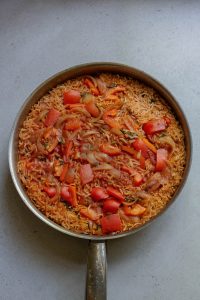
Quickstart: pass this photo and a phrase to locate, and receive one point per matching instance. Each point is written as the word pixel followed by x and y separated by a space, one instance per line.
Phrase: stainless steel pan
pixel 96 271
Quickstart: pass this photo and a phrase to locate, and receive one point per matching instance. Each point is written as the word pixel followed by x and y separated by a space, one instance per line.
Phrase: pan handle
pixel 96 271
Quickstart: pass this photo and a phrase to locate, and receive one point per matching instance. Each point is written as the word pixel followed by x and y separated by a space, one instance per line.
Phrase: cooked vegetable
pixel 111 223
pixel 161 159
pixel 73 124
pixel 86 173
pixel 99 194
pixel 115 193
pixel 91 85
pixel 71 97
pixel 139 145
pixel 51 191
pixel 111 205
pixel 89 213
pixel 68 194
pixel 149 145
pixel 154 126
pixel 135 210
pixel 100 154
pixel 110 150
pixel 92 108
pixel 52 117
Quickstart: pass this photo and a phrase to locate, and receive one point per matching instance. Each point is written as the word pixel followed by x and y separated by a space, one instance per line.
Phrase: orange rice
pixel 140 102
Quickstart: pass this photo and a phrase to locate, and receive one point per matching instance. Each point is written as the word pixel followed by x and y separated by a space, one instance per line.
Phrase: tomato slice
pixel 110 150
pixel 111 223
pixel 115 193
pixel 52 117
pixel 86 173
pixel 50 191
pixel 73 124
pixel 135 210
pixel 71 97
pixel 68 194
pixel 111 205
pixel 139 145
pixel 65 195
pixel 92 108
pixel 72 191
pixel 154 126
pixel 99 194
pixel 161 159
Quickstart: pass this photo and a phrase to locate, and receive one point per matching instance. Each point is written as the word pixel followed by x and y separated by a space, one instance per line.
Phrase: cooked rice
pixel 139 100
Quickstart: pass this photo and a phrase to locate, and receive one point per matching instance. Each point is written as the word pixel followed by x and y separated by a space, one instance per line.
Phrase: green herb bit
pixel 131 199
pixel 129 134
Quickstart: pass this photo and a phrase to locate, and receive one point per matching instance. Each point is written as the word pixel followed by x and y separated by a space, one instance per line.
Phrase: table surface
pixel 40 38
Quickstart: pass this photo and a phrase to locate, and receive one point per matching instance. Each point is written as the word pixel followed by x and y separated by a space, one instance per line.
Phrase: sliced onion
pixel 91 158
pixel 128 219
pixel 93 120
pixel 89 132
pixel 101 86
pixel 115 173
pixel 102 157
pixel 154 182
pixel 63 119
pixel 169 142
pixel 102 167
pixel 92 79
pixel 142 194
pixel 85 147
pixel 81 110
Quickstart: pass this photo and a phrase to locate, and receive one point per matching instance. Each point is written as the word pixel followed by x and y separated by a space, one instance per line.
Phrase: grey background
pixel 40 38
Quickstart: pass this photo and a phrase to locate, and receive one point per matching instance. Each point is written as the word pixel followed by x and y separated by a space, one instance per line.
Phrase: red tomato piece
pixel 71 97
pixel 86 173
pixel 98 194
pixel 92 108
pixel 72 191
pixel 135 210
pixel 73 124
pixel 110 150
pixel 115 193
pixel 52 117
pixel 111 223
pixel 161 159
pixel 139 145
pixel 51 191
pixel 154 126
pixel 111 205
pixel 65 195
pixel 68 194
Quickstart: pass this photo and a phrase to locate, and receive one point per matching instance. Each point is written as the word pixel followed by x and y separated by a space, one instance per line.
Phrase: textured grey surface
pixel 39 38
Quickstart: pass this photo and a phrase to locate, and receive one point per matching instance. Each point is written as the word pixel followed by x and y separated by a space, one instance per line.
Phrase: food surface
pixel 101 154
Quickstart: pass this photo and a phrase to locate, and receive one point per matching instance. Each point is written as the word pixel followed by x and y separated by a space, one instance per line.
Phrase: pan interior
pixel 72 73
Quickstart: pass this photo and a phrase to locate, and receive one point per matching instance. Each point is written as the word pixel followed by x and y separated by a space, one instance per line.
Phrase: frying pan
pixel 96 264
